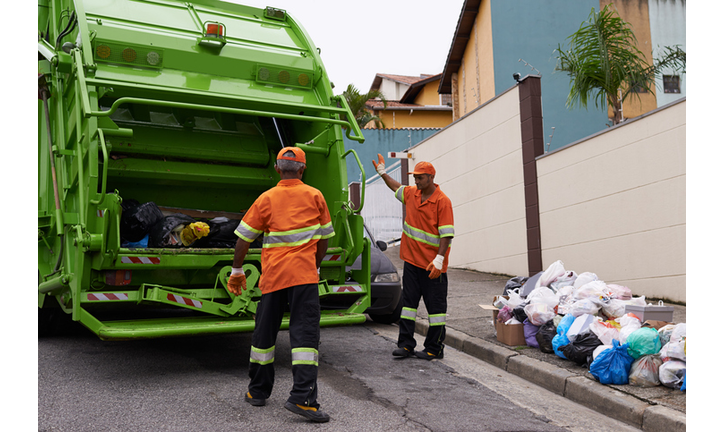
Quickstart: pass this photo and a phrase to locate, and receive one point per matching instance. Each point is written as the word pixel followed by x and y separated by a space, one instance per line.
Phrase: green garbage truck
pixel 159 115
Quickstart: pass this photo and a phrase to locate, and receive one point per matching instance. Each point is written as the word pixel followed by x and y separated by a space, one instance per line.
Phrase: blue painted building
pixel 381 141
pixel 496 38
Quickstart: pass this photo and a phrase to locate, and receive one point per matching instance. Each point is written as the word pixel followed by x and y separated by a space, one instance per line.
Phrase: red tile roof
pixel 403 79
pixel 377 105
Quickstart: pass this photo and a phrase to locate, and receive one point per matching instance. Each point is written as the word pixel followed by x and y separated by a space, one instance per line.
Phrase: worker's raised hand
pixel 435 267
pixel 379 165
pixel 236 282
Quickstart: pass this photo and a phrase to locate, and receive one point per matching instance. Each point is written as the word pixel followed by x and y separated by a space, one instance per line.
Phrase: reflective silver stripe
pixel 247 233
pixel 408 313
pixel 261 356
pixel 326 231
pixel 299 236
pixel 400 194
pixel 421 236
pixel 446 231
pixel 437 319
pixel 306 356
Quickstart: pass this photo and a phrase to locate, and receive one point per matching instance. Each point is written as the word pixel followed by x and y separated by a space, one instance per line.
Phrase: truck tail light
pixel 215 30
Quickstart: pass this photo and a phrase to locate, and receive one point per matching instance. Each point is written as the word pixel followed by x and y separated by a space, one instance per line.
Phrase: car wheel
pixel 391 318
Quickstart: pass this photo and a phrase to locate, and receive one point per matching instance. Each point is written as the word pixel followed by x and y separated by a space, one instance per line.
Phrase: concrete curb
pixel 582 390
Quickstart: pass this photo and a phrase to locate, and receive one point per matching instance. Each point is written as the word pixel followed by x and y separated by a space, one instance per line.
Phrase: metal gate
pixel 382 212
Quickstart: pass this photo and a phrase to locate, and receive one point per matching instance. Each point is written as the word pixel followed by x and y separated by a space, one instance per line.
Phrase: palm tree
pixel 357 103
pixel 603 61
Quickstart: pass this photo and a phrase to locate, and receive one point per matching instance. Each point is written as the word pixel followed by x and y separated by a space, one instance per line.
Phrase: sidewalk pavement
pixel 470 330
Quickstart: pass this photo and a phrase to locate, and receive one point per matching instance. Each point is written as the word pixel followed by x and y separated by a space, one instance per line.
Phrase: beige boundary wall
pixel 478 162
pixel 615 204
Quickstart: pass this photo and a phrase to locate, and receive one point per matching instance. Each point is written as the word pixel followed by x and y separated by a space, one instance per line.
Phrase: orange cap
pixel 299 155
pixel 424 168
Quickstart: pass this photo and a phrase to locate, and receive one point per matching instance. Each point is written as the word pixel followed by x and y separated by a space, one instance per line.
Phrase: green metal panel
pixel 143 104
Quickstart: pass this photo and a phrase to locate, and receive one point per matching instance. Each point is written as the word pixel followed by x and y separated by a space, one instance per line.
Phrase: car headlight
pixel 387 277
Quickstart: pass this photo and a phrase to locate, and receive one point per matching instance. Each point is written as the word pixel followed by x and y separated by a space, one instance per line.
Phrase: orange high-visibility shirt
pixel 293 217
pixel 425 224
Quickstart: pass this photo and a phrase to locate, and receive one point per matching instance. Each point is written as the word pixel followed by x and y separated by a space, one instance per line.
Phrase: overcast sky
pixel 362 38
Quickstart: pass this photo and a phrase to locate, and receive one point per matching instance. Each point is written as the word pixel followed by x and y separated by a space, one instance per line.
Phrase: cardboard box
pixel 651 312
pixel 511 334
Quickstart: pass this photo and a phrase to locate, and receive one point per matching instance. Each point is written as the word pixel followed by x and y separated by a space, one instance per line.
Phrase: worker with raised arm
pixel 294 220
pixel 427 232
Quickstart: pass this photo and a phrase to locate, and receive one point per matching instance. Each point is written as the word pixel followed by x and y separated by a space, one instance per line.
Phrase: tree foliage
pixel 357 101
pixel 604 64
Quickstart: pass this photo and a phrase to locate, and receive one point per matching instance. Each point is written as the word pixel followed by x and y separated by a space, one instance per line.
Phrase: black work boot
pixel 255 402
pixel 427 355
pixel 314 414
pixel 402 352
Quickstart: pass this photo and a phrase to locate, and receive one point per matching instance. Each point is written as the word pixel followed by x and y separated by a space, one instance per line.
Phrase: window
pixel 446 99
pixel 671 84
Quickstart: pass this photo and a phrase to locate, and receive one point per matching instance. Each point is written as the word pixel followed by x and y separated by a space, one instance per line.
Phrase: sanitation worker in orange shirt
pixel 426 236
pixel 295 222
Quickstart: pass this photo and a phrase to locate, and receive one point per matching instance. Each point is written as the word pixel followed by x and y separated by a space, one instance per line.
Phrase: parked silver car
pixel 386 284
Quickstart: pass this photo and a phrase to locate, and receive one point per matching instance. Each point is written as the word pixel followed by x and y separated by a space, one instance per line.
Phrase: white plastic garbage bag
pixel 645 371
pixel 605 333
pixel 543 295
pixel 629 324
pixel 514 298
pixel 636 301
pixel 619 292
pixel 582 307
pixel 673 332
pixel 672 372
pixel 674 350
pixel 594 290
pixel 679 332
pixel 584 278
pixel 567 279
pixel 614 308
pixel 539 313
pixel 552 273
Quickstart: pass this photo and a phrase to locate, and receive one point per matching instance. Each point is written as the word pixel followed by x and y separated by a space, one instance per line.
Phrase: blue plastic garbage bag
pixel 561 339
pixel 613 365
pixel 143 243
pixel 683 386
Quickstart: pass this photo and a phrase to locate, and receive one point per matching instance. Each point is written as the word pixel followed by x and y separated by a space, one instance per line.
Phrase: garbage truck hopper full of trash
pixel 159 125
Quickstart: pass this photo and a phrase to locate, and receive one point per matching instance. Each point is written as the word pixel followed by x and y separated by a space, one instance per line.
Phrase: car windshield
pixel 368 235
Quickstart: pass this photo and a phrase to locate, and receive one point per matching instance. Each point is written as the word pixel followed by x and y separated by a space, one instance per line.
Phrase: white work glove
pixel 435 267
pixel 237 281
pixel 380 165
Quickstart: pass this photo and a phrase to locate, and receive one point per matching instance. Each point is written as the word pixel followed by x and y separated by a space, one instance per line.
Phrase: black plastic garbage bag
pixel 163 234
pixel 581 348
pixel 128 204
pixel 519 312
pixel 545 336
pixel 221 234
pixel 138 220
pixel 514 283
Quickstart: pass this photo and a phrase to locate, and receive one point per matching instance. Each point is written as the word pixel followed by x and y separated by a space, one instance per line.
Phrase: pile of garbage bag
pixel 145 226
pixel 581 318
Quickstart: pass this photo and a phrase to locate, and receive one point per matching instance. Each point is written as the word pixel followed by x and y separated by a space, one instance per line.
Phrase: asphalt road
pixel 196 384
